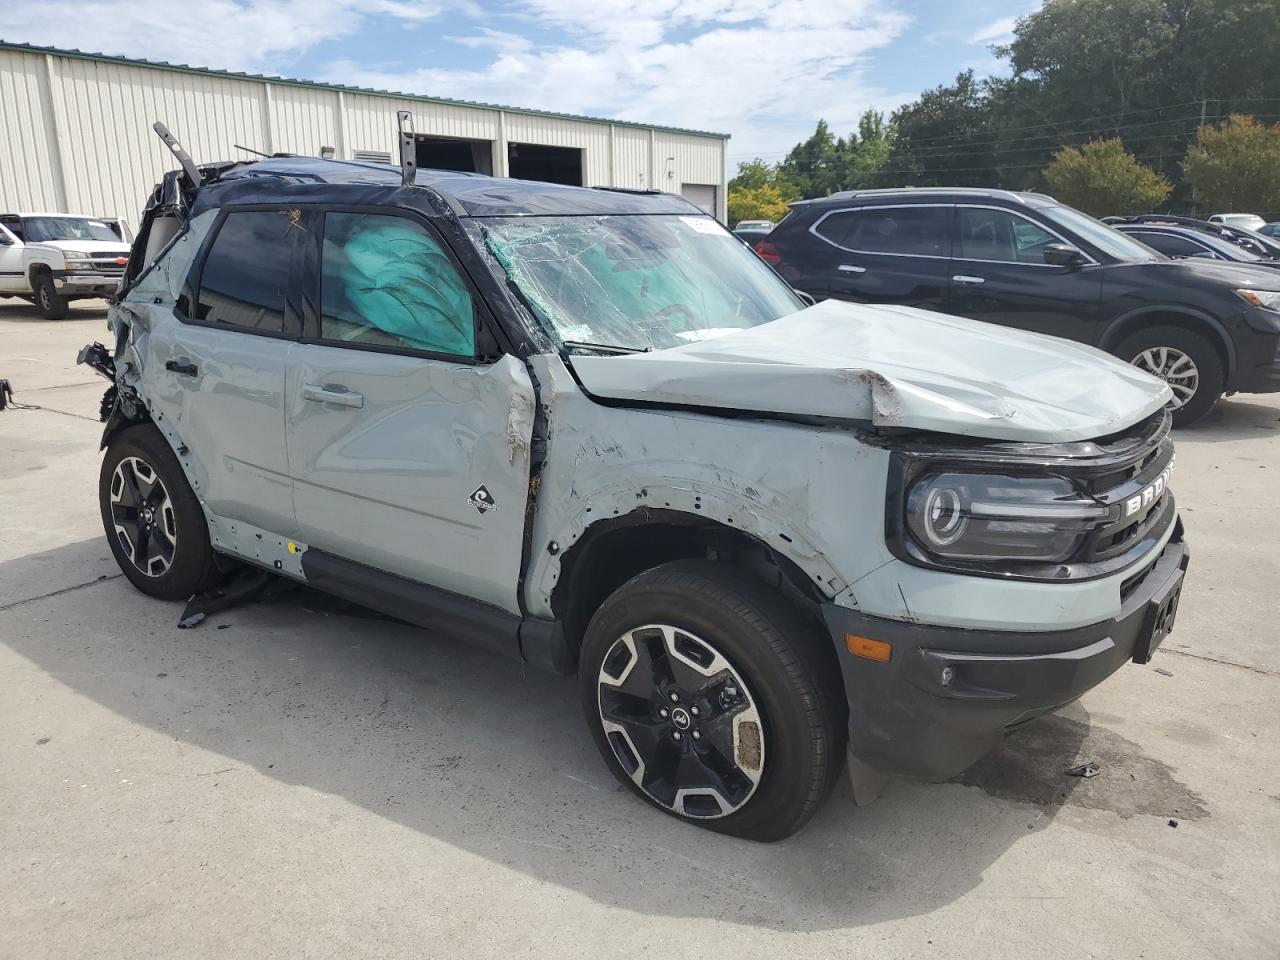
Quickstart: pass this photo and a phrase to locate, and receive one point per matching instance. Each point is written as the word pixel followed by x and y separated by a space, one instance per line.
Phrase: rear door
pixel 217 376
pixel 999 275
pixel 882 254
pixel 410 454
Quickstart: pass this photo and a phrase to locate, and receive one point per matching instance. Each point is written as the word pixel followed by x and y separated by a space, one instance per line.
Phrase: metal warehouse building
pixel 78 135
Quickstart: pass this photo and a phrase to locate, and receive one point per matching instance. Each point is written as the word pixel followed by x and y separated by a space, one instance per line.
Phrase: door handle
pixel 851 268
pixel 961 278
pixel 332 393
pixel 182 366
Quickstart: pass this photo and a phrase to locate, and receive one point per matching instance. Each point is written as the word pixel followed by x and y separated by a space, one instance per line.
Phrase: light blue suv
pixel 591 430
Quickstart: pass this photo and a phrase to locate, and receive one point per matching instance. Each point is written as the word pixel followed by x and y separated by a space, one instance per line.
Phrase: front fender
pixel 812 494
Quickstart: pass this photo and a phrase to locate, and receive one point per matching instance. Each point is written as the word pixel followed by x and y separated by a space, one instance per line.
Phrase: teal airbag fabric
pixel 391 275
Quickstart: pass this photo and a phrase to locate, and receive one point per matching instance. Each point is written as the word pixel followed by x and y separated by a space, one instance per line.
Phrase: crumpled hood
pixel 893 367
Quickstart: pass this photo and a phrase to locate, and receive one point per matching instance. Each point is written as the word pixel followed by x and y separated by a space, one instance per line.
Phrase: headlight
pixel 1266 299
pixel 961 516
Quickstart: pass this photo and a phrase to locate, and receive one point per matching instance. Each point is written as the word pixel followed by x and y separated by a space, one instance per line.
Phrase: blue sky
pixel 761 70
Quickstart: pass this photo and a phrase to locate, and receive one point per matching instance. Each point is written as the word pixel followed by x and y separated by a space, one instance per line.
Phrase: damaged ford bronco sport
pixel 590 430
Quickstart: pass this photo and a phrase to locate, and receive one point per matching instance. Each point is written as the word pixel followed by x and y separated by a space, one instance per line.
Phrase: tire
pixel 167 531
pixel 1163 351
pixel 713 700
pixel 51 304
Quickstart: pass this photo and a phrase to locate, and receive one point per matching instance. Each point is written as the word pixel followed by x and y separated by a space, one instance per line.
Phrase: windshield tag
pixel 96 223
pixel 704 225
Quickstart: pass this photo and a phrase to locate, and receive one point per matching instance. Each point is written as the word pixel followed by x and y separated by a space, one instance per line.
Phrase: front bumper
pixel 904 719
pixel 72 282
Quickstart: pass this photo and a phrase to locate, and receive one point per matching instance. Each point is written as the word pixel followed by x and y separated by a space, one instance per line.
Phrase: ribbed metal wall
pixel 78 135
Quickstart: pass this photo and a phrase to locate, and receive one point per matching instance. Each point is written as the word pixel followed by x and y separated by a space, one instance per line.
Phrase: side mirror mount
pixel 1064 255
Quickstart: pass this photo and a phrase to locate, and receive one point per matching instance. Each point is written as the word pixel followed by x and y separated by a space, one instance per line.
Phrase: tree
pixel 764 202
pixel 946 138
pixel 867 152
pixel 1235 166
pixel 1103 178
pixel 816 166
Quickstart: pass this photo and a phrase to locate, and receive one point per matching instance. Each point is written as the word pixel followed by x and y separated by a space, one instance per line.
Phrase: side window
pixel 988 234
pixel 14 226
pixel 920 231
pixel 386 281
pixel 1170 245
pixel 246 272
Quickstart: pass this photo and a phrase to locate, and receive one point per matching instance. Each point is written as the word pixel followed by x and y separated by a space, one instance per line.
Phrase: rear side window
pixel 996 235
pixel 386 281
pixel 918 231
pixel 1170 245
pixel 245 276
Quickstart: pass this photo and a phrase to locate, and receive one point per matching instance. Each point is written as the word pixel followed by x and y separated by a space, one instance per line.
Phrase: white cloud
pixel 763 71
pixel 997 31
pixel 248 35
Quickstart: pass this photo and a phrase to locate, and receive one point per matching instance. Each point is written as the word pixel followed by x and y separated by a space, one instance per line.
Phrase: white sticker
pixel 96 223
pixel 706 225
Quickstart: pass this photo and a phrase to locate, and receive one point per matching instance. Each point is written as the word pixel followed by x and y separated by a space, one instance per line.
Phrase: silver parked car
pixel 591 431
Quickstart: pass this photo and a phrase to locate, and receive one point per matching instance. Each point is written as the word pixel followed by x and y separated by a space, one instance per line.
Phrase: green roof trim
pixel 318 85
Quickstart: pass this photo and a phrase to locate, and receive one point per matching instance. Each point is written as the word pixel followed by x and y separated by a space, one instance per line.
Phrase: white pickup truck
pixel 53 258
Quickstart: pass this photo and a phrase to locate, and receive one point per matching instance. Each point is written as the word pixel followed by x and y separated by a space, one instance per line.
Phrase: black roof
pixel 463 194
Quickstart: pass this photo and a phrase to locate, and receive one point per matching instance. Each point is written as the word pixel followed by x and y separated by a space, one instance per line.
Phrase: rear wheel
pixel 153 521
pixel 1184 360
pixel 52 305
pixel 713 700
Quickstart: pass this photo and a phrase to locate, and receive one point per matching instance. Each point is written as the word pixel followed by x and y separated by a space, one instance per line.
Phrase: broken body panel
pixel 477 483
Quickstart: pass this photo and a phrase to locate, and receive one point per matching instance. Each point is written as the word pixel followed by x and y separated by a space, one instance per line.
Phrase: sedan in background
pixel 1248 221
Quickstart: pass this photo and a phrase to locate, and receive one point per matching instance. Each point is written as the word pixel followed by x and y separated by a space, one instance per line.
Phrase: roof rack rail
pixel 1014 196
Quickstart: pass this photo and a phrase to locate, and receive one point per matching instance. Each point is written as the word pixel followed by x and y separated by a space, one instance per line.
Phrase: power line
pixel 1022 146
pixel 1052 126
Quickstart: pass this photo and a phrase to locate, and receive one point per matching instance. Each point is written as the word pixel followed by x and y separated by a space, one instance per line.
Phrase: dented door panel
pixel 415 466
pixel 222 392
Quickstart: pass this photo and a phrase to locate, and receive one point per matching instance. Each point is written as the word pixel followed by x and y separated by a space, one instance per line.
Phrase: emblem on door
pixel 482 499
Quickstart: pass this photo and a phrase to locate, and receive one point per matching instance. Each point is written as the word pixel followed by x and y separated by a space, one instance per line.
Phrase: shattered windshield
pixel 636 282
pixel 39 229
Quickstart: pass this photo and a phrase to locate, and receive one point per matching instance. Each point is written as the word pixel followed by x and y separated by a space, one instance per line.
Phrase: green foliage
pixel 765 202
pixel 1102 178
pixel 945 137
pixel 1235 166
pixel 1140 71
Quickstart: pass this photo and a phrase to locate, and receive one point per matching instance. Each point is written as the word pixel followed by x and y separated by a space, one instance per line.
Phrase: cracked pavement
pixel 296 778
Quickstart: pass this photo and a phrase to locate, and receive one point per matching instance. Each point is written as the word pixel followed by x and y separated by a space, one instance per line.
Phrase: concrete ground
pixel 292 780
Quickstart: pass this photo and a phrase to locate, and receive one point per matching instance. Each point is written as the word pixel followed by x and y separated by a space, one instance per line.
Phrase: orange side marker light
pixel 869 649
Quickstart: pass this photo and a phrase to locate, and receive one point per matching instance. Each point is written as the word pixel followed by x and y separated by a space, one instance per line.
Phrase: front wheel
pixel 51 304
pixel 1186 361
pixel 713 700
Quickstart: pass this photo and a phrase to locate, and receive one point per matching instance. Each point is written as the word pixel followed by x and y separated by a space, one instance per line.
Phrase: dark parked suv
pixel 1025 260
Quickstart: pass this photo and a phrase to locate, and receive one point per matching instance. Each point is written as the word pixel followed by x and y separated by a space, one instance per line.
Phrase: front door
pixel 891 254
pixel 999 275
pixel 217 377
pixel 12 268
pixel 408 453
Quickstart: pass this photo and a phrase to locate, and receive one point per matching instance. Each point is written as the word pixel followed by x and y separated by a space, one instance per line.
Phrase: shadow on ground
pixel 484 755
pixel 1233 418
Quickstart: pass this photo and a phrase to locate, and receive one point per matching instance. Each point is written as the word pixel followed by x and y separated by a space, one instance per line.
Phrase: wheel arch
pixel 1181 316
pixel 613 550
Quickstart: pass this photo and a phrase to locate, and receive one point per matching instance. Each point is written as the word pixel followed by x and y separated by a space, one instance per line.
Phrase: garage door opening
pixel 445 153
pixel 532 161
pixel 700 195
